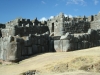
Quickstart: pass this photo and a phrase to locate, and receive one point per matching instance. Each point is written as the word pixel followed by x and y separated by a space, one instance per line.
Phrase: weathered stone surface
pixel 43 49
pixel 58 45
pixel 79 44
pixel 28 43
pixel 66 45
pixel 19 49
pixel 12 51
pixel 85 44
pixel 66 36
pixel 21 38
pixel 39 48
pixel 76 46
pixel 63 45
pixel 35 49
pixel 46 48
pixel 30 51
pixel 25 51
pixel 51 45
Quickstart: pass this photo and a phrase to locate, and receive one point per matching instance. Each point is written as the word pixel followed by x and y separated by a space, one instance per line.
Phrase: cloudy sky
pixel 44 9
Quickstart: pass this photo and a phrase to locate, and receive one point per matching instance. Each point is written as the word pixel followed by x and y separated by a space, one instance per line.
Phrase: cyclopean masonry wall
pixel 56 25
pixel 60 24
pixel 71 42
pixel 95 21
pixel 22 38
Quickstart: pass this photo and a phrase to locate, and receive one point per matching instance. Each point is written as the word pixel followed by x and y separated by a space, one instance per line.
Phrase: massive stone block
pixel 8 49
pixel 76 46
pixel 19 50
pixel 43 49
pixel 35 49
pixel 25 51
pixel 58 45
pixel 46 48
pixel 85 44
pixel 79 45
pixel 39 41
pixel 39 48
pixel 30 51
pixel 90 44
pixel 28 43
pixel 67 36
pixel 63 45
pixel 51 45
pixel 35 40
pixel 12 51
pixel 66 45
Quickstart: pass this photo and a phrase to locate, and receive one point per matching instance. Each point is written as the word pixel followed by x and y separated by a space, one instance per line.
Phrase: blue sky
pixel 44 9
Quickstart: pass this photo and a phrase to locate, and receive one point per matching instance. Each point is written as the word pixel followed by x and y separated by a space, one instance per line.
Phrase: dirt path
pixel 54 63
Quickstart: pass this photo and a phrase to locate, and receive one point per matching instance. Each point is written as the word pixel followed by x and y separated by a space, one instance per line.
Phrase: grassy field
pixel 82 62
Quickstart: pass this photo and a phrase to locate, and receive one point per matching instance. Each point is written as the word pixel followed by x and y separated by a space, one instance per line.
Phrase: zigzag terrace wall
pixel 71 42
pixel 23 38
pixel 33 45
pixel 60 25
pixel 14 48
pixel 25 31
pixel 94 21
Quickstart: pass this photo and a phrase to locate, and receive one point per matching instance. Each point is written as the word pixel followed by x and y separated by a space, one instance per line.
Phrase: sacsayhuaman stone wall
pixel 22 38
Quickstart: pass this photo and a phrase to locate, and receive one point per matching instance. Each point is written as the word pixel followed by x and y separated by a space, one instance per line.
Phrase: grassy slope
pixel 59 63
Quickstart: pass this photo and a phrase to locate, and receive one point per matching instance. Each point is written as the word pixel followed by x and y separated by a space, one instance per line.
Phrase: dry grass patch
pixel 79 63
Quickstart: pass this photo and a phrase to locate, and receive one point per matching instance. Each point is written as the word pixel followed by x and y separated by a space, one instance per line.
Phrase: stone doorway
pixel 52 30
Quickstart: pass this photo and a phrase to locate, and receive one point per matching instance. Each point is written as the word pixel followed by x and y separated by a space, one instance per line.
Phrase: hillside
pixel 82 62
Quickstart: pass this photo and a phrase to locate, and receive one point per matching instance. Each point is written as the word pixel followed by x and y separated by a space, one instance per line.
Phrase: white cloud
pixel 80 2
pixel 65 15
pixel 70 16
pixel 43 19
pixel 56 4
pixel 96 2
pixel 51 17
pixel 43 2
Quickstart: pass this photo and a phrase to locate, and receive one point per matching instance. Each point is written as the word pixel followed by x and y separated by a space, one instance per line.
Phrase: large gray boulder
pixel 8 50
pixel 35 49
pixel 30 51
pixel 66 36
pixel 66 45
pixel 25 51
pixel 63 45
pixel 58 45
pixel 12 53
